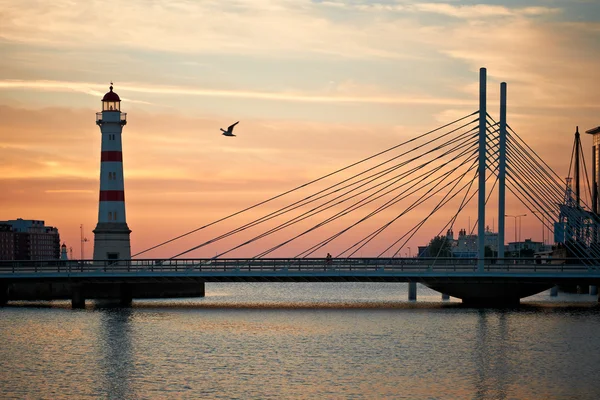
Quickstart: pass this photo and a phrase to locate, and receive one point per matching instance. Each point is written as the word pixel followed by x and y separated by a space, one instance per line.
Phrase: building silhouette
pixel 28 239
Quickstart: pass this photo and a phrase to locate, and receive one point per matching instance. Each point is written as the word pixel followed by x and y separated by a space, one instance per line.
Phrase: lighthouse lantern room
pixel 111 235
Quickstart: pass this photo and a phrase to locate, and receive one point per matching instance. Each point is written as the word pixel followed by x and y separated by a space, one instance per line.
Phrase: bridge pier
pixel 554 291
pixel 593 290
pixel 3 294
pixel 445 296
pixel 412 291
pixel 125 295
pixel 77 297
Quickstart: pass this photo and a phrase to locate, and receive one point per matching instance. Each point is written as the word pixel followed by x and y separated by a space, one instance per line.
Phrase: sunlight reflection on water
pixel 274 341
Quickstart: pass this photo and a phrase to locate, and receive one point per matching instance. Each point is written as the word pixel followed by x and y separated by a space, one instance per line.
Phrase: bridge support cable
pixel 361 243
pixel 364 201
pixel 492 152
pixel 544 199
pixel 371 236
pixel 464 140
pixel 536 159
pixel 463 204
pixel 361 203
pixel 519 155
pixel 388 204
pixel 306 200
pixel 533 185
pixel 520 170
pixel 424 135
pixel 394 201
pixel 453 219
pixel 552 194
pixel 575 217
pixel 493 157
pixel 591 260
pixel 492 161
pixel 418 226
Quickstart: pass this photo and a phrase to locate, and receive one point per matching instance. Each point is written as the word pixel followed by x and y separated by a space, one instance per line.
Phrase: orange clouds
pixel 336 83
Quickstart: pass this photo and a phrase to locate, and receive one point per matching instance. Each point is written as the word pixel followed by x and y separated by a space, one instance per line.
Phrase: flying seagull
pixel 229 131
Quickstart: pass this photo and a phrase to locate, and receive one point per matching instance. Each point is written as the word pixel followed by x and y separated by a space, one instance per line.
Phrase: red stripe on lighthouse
pixel 112 195
pixel 111 156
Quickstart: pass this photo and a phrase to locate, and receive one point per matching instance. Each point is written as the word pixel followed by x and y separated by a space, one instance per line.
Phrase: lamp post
pixel 83 240
pixel 543 225
pixel 515 225
pixel 409 255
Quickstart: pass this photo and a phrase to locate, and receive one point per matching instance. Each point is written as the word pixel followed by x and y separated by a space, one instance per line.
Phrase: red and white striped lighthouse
pixel 111 236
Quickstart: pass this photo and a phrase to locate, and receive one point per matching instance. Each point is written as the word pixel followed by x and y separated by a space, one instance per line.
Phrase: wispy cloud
pixel 69 191
pixel 482 10
pixel 92 89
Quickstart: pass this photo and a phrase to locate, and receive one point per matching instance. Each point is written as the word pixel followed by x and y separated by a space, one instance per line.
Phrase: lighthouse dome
pixel 111 101
pixel 111 96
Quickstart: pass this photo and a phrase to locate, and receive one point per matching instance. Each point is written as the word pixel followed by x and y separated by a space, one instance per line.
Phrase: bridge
pixel 503 281
pixel 442 169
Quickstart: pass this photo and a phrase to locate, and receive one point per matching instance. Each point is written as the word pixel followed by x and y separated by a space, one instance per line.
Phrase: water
pixel 302 340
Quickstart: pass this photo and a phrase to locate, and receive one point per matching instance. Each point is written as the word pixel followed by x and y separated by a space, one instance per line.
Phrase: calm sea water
pixel 302 341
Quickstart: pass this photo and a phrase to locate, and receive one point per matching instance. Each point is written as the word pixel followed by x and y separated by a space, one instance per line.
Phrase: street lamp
pixel 515 225
pixel 409 255
pixel 543 225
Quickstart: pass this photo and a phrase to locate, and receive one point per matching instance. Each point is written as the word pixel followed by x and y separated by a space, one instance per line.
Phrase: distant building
pixel 595 132
pixel 7 242
pixel 465 245
pixel 29 240
pixel 527 244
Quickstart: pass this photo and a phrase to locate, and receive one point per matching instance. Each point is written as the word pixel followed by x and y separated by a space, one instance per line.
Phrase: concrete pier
pixel 445 296
pixel 593 290
pixel 412 290
pixel 3 294
pixel 126 296
pixel 554 291
pixel 77 297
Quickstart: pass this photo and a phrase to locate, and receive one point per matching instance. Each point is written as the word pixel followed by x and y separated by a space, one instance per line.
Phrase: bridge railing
pixel 259 265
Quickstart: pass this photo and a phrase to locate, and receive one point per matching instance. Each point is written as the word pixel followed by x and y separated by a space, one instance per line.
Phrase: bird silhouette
pixel 229 131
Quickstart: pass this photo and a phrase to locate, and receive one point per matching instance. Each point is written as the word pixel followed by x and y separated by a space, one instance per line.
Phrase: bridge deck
pixel 296 270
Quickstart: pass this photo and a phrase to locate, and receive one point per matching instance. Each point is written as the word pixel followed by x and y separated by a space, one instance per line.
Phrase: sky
pixel 317 85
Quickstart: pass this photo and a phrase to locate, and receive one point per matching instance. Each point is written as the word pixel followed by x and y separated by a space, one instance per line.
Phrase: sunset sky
pixel 316 85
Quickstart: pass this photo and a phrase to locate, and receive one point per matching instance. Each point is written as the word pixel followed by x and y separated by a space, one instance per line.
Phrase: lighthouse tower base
pixel 111 241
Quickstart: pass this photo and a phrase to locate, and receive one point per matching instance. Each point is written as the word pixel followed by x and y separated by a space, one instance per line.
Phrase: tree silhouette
pixel 440 246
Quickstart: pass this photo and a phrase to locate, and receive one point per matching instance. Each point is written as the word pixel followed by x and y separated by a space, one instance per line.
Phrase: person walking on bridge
pixel 328 260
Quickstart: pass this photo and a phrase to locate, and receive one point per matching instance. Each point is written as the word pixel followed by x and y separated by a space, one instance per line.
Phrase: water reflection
pixel 301 341
pixel 115 353
pixel 490 355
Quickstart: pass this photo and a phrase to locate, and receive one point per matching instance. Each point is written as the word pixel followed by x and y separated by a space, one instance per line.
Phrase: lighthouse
pixel 111 236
